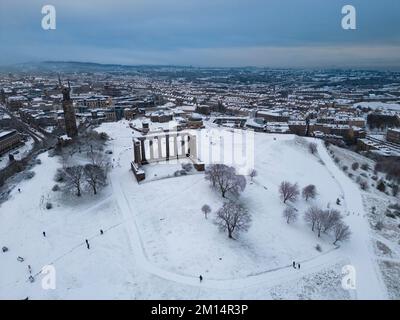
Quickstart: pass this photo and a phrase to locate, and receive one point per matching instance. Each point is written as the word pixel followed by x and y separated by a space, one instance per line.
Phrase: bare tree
pixel 341 232
pixel 309 192
pixel 206 209
pixel 312 147
pixel 329 219
pixel 96 176
pixel 233 217
pixel 288 191
pixel 97 158
pixel 74 178
pixel 319 223
pixel 253 174
pixel 312 215
pixel 212 172
pixel 290 214
pixel 92 140
pixel 225 179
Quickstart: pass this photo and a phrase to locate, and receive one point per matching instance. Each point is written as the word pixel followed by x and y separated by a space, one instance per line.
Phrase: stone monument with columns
pixel 164 146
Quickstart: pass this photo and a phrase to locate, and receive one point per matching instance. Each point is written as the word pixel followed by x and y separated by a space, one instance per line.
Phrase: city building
pixel 393 135
pixel 8 140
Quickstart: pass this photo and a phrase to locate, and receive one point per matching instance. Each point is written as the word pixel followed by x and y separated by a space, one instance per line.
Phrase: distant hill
pixel 77 66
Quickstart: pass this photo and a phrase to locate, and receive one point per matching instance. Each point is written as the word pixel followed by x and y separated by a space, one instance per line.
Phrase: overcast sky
pixel 272 33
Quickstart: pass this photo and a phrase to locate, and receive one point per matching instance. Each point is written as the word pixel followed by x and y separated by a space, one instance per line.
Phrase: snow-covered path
pixel 359 249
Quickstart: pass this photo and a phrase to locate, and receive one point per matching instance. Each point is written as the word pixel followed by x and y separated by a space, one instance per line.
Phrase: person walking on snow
pixel 87 244
pixel 298 265
pixel 44 234
pixel 294 264
pixel 201 278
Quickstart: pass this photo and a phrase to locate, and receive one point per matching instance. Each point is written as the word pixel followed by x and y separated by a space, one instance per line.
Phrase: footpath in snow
pixel 369 284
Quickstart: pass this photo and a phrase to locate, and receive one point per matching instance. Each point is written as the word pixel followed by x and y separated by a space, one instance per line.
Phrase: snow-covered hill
pixel 156 241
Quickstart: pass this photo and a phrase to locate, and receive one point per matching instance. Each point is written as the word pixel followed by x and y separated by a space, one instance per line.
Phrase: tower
pixel 69 113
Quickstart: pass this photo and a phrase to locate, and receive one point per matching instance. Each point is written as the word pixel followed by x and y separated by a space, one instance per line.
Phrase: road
pixel 41 139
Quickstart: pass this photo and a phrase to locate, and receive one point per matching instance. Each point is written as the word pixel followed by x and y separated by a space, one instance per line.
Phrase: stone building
pixel 9 140
pixel 161 116
pixel 393 135
pixel 16 102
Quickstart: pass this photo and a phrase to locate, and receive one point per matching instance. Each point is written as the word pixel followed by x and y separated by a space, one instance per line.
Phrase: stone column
pixel 151 146
pixel 143 150
pixel 167 144
pixel 189 145
pixel 183 145
pixel 159 147
pixel 176 146
pixel 193 146
pixel 136 152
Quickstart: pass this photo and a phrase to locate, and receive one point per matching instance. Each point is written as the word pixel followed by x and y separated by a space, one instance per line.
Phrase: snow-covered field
pixel 157 242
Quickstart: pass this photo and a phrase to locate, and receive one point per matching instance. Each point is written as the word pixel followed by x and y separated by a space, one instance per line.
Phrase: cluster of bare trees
pixel 290 191
pixel 327 221
pixel 85 164
pixel 232 217
pixel 92 175
pixel 224 179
